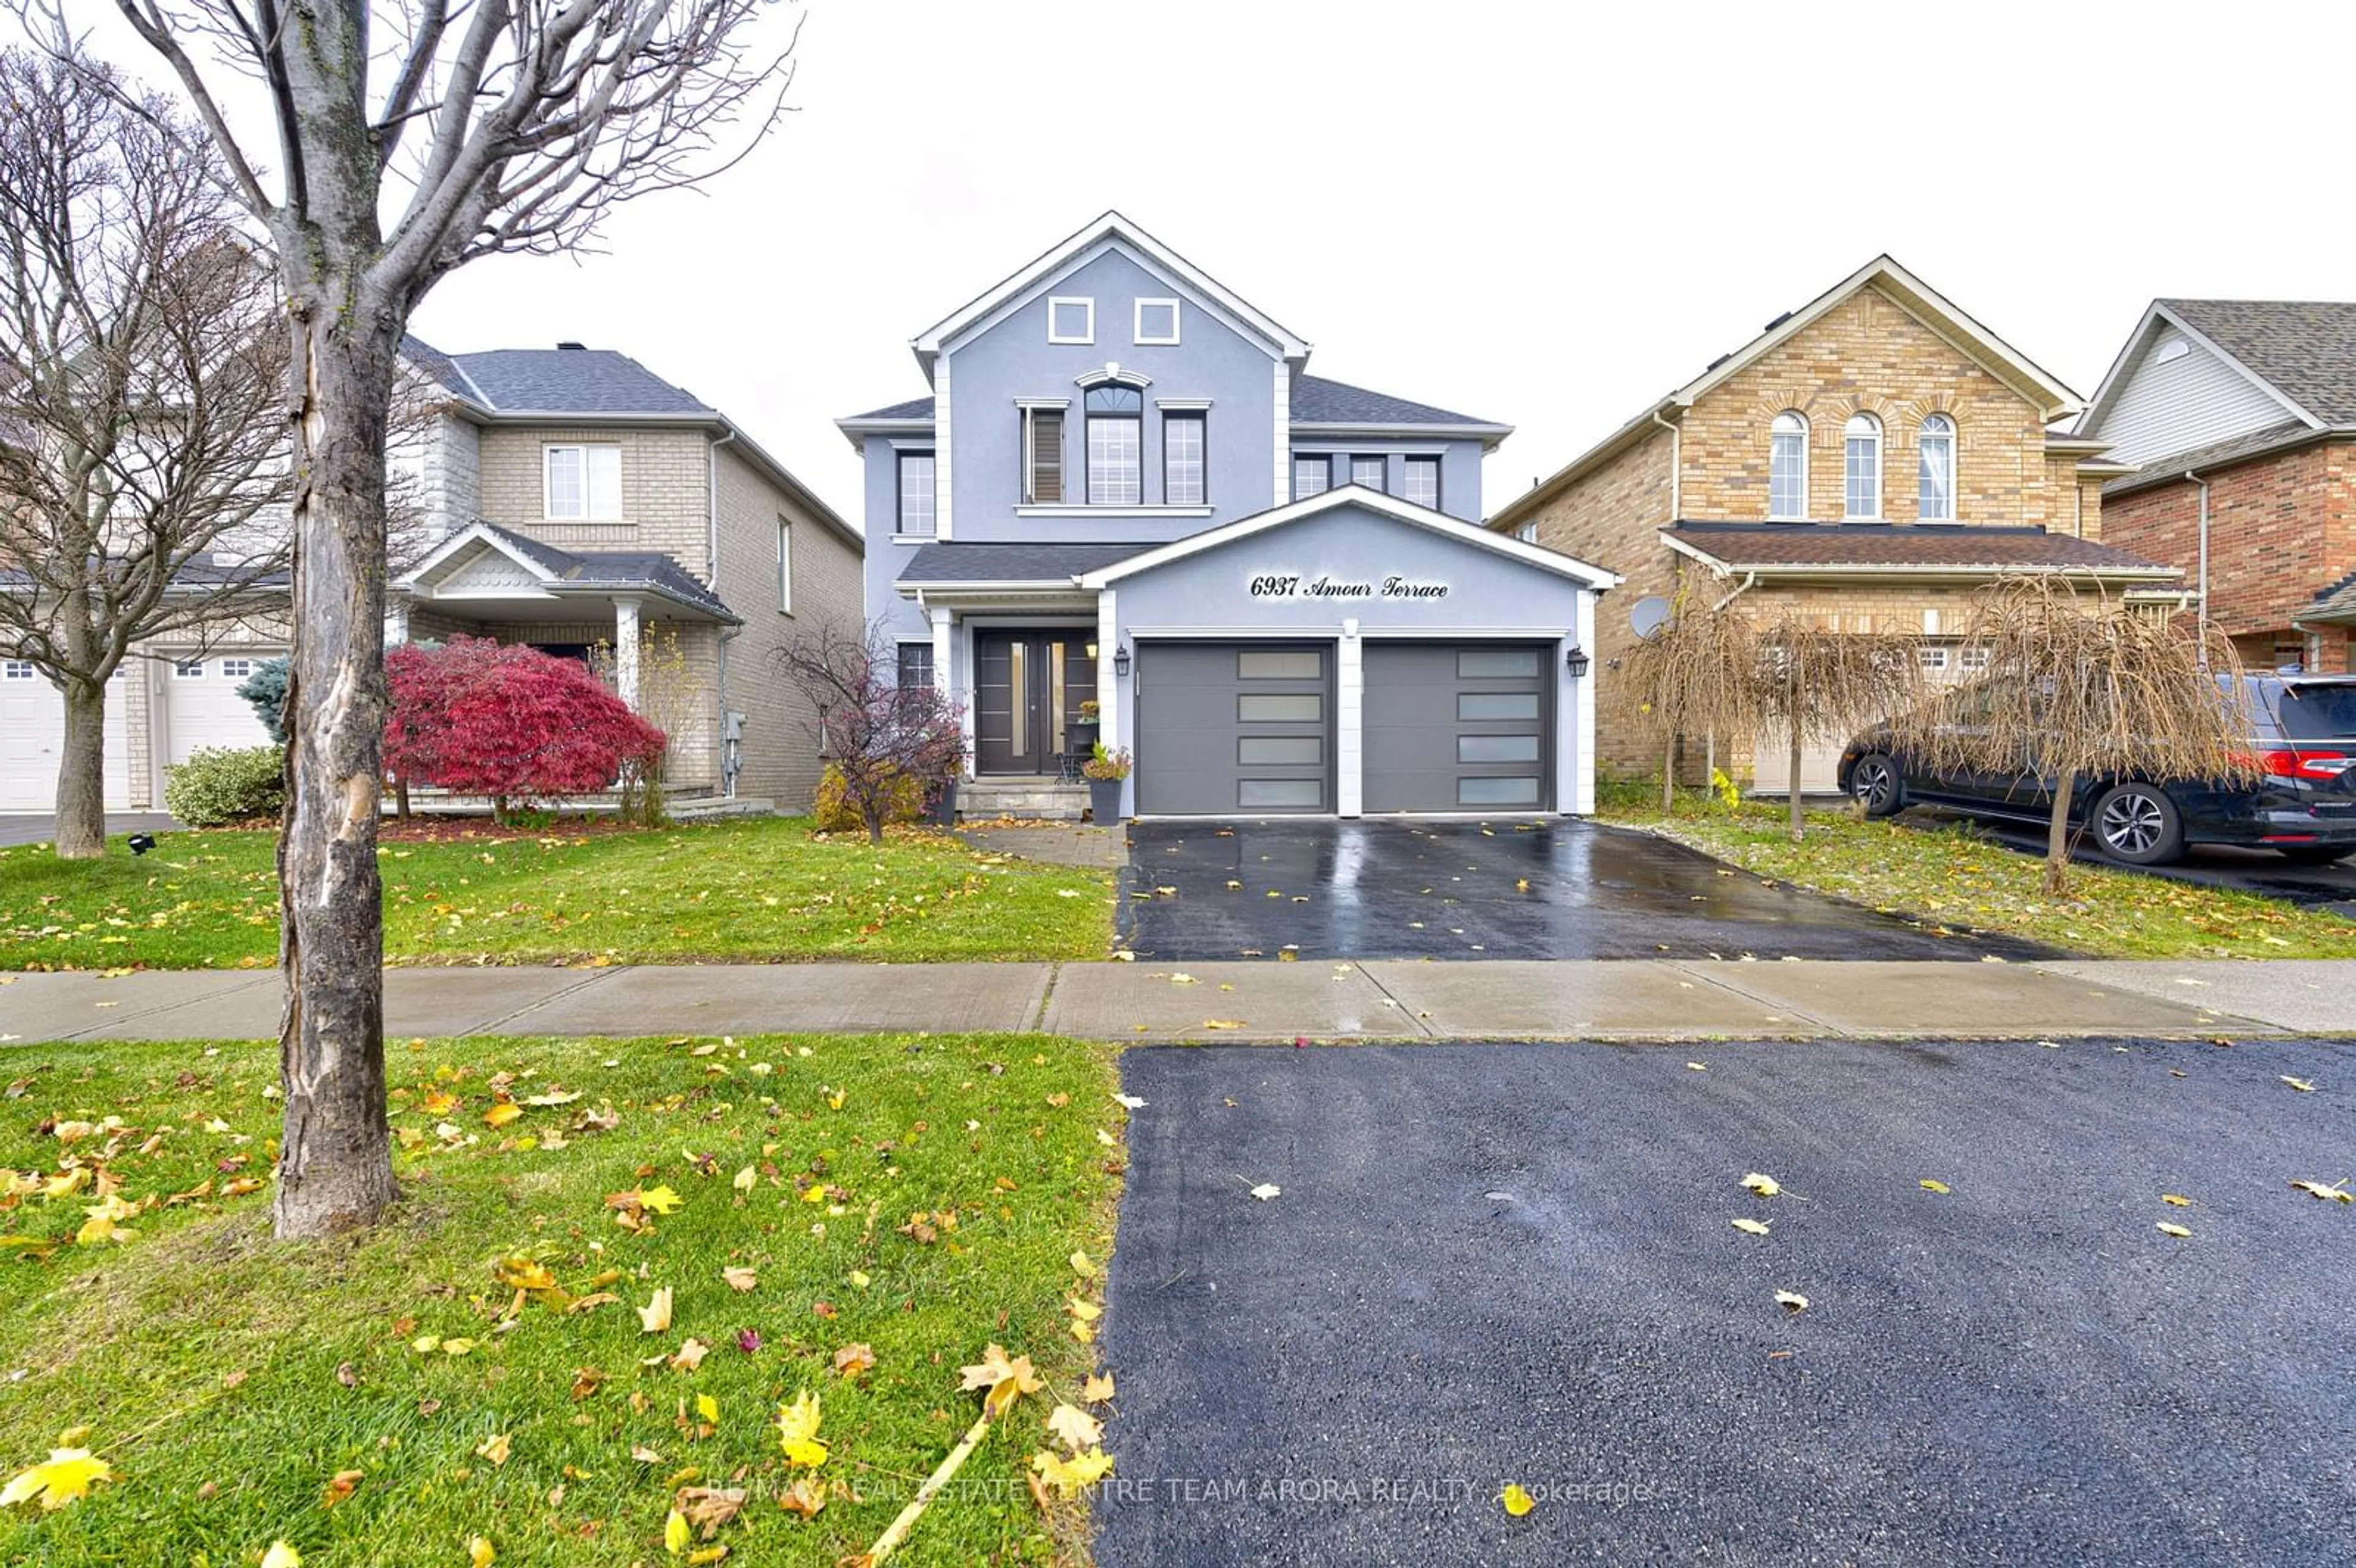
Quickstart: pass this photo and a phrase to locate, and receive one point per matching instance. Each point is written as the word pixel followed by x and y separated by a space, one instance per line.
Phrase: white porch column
pixel 626 650
pixel 1112 704
pixel 944 647
pixel 1349 722
pixel 396 623
pixel 1575 762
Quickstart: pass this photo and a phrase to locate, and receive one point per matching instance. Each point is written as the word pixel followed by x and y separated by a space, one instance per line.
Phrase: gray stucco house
pixel 1126 498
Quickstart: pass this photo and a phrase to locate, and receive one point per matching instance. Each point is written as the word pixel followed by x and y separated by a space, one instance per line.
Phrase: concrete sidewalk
pixel 1402 1000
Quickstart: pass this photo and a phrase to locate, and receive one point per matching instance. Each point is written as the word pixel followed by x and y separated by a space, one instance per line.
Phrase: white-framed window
pixel 1527 533
pixel 1938 488
pixel 1043 453
pixel 1184 475
pixel 916 665
pixel 1156 323
pixel 16 669
pixel 1787 467
pixel 188 669
pixel 1373 472
pixel 1116 431
pixel 1861 448
pixel 1311 476
pixel 784 567
pixel 1973 661
pixel 1070 319
pixel 1419 482
pixel 916 498
pixel 1932 658
pixel 583 483
pixel 236 669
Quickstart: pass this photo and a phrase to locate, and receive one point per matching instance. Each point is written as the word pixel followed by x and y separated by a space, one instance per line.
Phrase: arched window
pixel 1862 462
pixel 1787 468
pixel 1938 443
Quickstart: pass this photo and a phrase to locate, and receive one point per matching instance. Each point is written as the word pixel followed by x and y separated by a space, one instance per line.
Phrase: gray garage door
pixel 1224 727
pixel 1459 727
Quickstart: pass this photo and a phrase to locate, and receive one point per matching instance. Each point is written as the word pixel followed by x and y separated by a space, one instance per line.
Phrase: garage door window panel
pixel 1279 751
pixel 1291 795
pixel 1304 664
pixel 1496 663
pixel 1286 708
pixel 1497 749
pixel 1471 706
pixel 1521 791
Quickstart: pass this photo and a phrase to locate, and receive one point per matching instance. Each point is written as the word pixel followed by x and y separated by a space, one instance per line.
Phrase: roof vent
pixel 576 347
pixel 1715 363
pixel 1777 322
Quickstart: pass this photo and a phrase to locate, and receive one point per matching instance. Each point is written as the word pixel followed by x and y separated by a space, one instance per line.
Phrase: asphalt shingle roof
pixel 2337 603
pixel 1013 563
pixel 1764 546
pixel 2306 348
pixel 554 380
pixel 913 409
pixel 619 569
pixel 1316 400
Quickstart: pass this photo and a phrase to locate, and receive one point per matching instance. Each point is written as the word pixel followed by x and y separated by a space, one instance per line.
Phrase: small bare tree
pixel 877 734
pixel 2081 693
pixel 1818 683
pixel 412 137
pixel 142 450
pixel 1692 677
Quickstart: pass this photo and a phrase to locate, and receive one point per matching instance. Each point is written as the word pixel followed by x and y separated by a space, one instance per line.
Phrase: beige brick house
pixel 590 509
pixel 1868 459
pixel 2238 418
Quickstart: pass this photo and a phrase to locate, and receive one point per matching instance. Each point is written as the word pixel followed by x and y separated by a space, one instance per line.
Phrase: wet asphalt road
pixel 1463 889
pixel 1514 1262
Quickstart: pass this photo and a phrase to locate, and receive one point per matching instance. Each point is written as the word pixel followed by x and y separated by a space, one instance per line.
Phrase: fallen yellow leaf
pixel 1068 1476
pixel 1518 1501
pixel 798 1431
pixel 1929 1185
pixel 2173 1201
pixel 1005 1379
pixel 494 1448
pixel 1074 1427
pixel 480 1554
pixel 500 1115
pixel 2316 1189
pixel 66 1475
pixel 281 1555
pixel 1790 1301
pixel 1097 1388
pixel 675 1533
pixel 1765 1185
pixel 2301 1085
pixel 1751 1227
pixel 740 1278
pixel 2167 1229
pixel 655 1316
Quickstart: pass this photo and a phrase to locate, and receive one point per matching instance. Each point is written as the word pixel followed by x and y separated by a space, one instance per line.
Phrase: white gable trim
pixel 1391 506
pixel 1114 231
pixel 475 533
pixel 2134 357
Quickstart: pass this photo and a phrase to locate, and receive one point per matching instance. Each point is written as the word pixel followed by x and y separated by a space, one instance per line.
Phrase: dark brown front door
pixel 1028 688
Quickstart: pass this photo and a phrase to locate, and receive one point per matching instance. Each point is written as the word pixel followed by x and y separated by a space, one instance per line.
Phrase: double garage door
pixel 195 705
pixel 1248 728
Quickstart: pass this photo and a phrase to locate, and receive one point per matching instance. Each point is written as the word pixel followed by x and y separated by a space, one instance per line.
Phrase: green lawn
pixel 920 1196
pixel 1952 874
pixel 746 890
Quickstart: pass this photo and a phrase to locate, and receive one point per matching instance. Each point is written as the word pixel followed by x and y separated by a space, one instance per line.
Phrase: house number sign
pixel 1329 588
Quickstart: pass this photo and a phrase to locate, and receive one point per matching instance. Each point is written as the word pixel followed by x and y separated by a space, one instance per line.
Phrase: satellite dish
pixel 1649 615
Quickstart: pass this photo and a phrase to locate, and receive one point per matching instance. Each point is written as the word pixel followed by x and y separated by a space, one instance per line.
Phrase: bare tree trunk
pixel 81 775
pixel 1669 775
pixel 1791 706
pixel 2057 838
pixel 336 1165
pixel 1798 820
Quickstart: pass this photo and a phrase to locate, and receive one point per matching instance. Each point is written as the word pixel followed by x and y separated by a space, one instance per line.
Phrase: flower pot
pixel 944 804
pixel 1104 800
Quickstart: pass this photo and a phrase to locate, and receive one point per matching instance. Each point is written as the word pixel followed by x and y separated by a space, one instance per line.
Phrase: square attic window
pixel 1071 320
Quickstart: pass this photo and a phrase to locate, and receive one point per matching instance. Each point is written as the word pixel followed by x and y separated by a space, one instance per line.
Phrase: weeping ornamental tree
pixel 1692 675
pixel 875 734
pixel 1817 682
pixel 406 139
pixel 142 362
pixel 2083 692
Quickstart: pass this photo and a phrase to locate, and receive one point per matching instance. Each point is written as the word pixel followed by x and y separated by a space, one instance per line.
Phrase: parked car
pixel 2302 804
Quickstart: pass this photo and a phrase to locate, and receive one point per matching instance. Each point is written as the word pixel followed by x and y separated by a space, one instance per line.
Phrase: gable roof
pixel 561 572
pixel 1936 549
pixel 1366 500
pixel 1112 228
pixel 2304 350
pixel 1894 283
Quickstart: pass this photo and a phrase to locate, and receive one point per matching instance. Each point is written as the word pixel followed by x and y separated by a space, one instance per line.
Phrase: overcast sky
pixel 1545 214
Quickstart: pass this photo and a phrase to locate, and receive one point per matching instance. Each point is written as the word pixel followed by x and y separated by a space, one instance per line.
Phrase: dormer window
pixel 1156 323
pixel 1116 421
pixel 1071 320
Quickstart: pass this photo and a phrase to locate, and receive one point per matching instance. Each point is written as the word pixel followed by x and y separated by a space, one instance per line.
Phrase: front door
pixel 1028 688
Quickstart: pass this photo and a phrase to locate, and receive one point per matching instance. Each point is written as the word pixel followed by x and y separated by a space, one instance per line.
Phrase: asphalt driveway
pixel 1494 1263
pixel 2262 871
pixel 1195 891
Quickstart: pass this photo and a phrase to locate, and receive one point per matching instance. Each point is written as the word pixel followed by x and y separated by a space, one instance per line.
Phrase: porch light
pixel 1576 660
pixel 1120 661
pixel 1092 650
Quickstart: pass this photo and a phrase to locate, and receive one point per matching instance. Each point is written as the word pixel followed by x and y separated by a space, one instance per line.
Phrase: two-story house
pixel 1867 462
pixel 1128 515
pixel 588 507
pixel 2238 418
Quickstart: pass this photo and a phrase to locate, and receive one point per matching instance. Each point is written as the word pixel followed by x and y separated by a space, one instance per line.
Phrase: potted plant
pixel 1107 772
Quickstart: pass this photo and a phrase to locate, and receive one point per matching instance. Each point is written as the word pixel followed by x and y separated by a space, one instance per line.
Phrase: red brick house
pixel 2240 419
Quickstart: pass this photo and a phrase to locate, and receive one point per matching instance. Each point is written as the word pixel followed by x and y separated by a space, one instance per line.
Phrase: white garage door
pixel 201 706
pixel 32 734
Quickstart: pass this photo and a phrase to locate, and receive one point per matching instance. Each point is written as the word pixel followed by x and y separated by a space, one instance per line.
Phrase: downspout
pixel 728 763
pixel 2201 583
pixel 1677 467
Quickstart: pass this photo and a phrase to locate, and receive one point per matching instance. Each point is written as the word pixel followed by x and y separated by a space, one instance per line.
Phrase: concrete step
pixel 1030 799
pixel 709 808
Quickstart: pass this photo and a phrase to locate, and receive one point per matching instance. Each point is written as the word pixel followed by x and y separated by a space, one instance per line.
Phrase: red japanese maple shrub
pixel 509 723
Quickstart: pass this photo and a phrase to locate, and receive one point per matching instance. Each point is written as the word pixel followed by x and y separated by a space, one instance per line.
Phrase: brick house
pixel 2238 419
pixel 1870 459
pixel 584 505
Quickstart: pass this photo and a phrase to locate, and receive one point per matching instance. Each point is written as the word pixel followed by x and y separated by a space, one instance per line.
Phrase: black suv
pixel 2303 807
